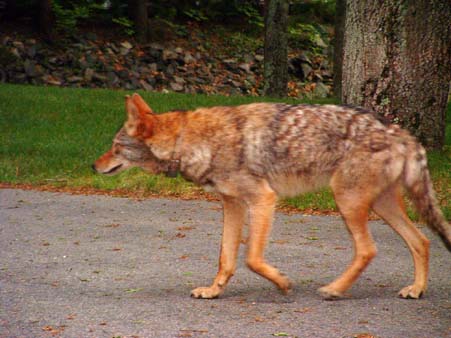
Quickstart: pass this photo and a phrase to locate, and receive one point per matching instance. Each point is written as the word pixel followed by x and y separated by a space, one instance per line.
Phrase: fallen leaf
pixel 185 228
pixel 54 331
pixel 132 290
pixel 364 335
pixel 113 225
pixel 280 241
pixel 303 310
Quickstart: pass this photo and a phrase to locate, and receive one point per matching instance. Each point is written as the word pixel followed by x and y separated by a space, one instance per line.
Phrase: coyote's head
pixel 128 149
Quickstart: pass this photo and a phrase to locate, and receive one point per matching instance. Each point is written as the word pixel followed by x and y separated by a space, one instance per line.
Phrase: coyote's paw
pixel 285 286
pixel 206 292
pixel 411 292
pixel 329 294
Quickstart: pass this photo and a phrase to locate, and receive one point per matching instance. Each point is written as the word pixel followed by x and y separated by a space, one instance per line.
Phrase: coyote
pixel 251 154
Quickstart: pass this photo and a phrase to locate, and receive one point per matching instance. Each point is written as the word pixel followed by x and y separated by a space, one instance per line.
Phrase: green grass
pixel 51 136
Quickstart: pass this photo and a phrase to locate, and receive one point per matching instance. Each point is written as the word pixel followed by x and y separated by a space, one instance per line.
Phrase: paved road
pixel 99 266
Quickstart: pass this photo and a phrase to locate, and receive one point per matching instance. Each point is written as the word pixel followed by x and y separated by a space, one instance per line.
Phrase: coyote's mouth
pixel 113 170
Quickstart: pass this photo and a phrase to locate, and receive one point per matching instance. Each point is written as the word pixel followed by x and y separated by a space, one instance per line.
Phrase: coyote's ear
pixel 133 117
pixel 141 104
pixel 138 124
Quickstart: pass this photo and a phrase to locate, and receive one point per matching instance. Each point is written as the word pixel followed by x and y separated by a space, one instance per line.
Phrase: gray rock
pixel 188 58
pixel 156 46
pixel 170 69
pixel 179 80
pixel 31 51
pixel 30 68
pixel 251 79
pixel 15 52
pixel 259 57
pixel 99 77
pixel 51 80
pixel 129 86
pixel 109 51
pixel 124 51
pixel 317 40
pixel 112 79
pixel 246 67
pixel 151 81
pixel 177 87
pixel 146 86
pixel 19 45
pixel 74 79
pixel 123 74
pixel 236 84
pixel 168 55
pixel 153 67
pixel 135 82
pixel 305 58
pixel 89 73
pixel 126 45
pixel 306 70
pixel 321 90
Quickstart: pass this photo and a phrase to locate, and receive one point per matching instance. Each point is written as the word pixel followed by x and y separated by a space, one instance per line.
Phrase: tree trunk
pixel 397 61
pixel 276 48
pixel 46 19
pixel 139 15
pixel 340 15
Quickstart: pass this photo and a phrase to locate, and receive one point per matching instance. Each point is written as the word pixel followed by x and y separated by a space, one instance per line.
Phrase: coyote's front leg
pixel 234 218
pixel 261 213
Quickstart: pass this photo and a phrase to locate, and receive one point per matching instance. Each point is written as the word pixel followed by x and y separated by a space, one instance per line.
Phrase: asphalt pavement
pixel 101 266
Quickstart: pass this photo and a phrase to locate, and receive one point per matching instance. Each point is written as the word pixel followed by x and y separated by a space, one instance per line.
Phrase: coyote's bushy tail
pixel 418 184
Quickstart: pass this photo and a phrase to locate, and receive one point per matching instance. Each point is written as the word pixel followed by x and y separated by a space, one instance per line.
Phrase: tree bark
pixel 46 19
pixel 139 15
pixel 276 48
pixel 397 61
pixel 340 15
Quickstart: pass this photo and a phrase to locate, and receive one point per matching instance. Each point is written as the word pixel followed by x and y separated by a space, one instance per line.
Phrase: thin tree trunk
pixel 276 48
pixel 397 61
pixel 340 15
pixel 139 15
pixel 46 19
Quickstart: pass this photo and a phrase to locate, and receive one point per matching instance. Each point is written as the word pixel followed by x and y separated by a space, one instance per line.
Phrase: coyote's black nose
pixel 93 167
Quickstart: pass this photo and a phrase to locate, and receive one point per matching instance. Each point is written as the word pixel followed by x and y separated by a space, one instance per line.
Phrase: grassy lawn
pixel 50 136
